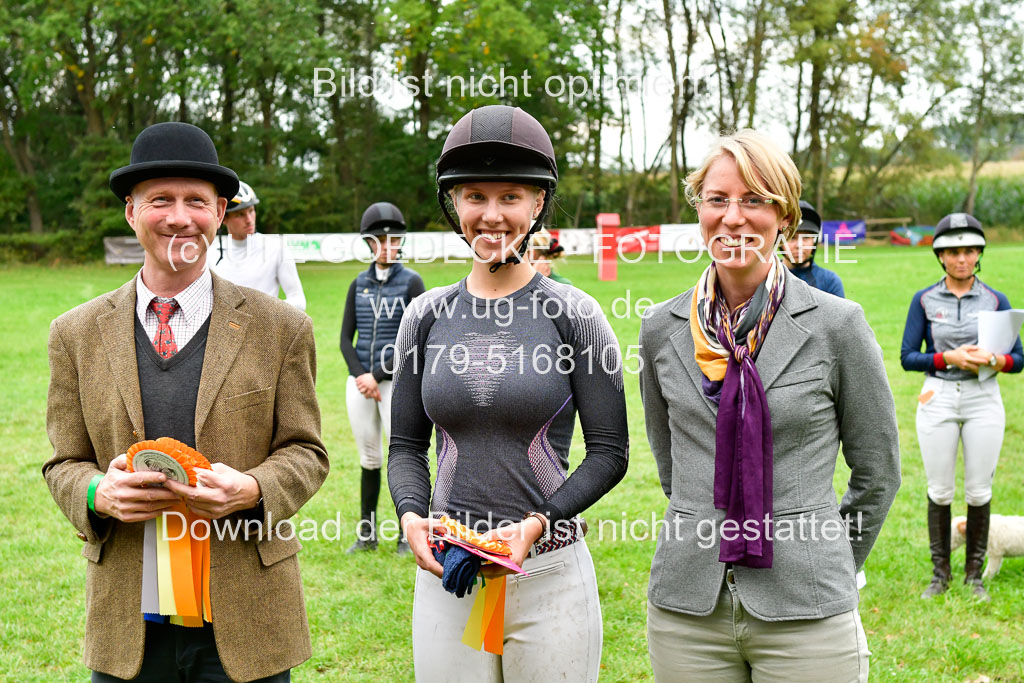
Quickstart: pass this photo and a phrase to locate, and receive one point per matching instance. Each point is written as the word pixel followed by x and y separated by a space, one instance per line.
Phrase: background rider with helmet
pixel 798 254
pixel 376 300
pixel 954 406
pixel 252 259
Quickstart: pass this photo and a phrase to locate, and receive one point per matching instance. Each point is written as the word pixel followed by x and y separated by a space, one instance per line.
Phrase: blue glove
pixel 460 569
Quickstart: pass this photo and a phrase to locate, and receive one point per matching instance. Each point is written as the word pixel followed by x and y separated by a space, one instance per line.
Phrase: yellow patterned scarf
pixel 707 311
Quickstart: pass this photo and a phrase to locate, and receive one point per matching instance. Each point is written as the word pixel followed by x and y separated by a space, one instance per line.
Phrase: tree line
pixel 873 99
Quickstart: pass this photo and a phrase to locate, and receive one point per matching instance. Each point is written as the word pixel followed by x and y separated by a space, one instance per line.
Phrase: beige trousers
pixel 552 626
pixel 731 645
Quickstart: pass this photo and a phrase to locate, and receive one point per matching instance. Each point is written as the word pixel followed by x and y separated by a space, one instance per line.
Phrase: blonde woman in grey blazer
pixel 751 381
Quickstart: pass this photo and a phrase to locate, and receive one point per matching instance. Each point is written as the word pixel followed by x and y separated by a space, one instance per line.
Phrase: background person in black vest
pixel 157 357
pixel 376 300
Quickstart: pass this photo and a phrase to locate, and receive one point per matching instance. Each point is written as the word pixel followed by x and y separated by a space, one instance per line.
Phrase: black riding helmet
pixel 810 219
pixel 810 224
pixel 380 219
pixel 958 230
pixel 496 143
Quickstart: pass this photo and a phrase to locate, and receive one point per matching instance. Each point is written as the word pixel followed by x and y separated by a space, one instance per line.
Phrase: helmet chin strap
pixel 806 261
pixel 977 268
pixel 519 255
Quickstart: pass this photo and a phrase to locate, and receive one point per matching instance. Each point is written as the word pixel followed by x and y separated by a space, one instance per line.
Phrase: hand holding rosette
pixel 488 549
pixel 462 552
pixel 453 531
pixel 176 564
pixel 174 459
pixel 211 490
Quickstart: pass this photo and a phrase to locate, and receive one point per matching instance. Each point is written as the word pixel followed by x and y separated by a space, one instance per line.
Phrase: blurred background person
pixel 799 251
pixel 251 259
pixel 376 301
pixel 544 248
pixel 954 406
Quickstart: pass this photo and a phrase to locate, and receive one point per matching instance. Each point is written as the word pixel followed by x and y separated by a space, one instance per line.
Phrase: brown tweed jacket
pixel 256 412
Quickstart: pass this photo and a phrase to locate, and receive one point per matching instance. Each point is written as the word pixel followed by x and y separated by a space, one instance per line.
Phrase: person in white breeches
pixel 471 373
pixel 374 307
pixel 955 406
pixel 555 608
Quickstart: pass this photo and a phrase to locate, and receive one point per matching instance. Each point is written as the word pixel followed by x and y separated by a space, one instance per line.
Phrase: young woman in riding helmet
pixel 499 364
pixel 954 406
pixel 798 254
pixel 252 259
pixel 376 301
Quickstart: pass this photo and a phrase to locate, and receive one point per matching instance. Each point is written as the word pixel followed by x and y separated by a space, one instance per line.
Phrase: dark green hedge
pixel 63 245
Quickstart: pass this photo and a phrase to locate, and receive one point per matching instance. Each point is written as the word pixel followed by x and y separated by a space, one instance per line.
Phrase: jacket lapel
pixel 784 340
pixel 785 336
pixel 682 343
pixel 117 331
pixel 227 331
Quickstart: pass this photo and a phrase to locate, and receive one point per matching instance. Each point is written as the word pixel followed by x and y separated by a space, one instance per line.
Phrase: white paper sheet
pixel 997 332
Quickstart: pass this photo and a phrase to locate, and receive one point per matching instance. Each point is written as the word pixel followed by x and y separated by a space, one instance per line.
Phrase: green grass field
pixel 360 607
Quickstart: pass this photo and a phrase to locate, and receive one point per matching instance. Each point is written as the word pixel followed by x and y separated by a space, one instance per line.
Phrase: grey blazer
pixel 823 374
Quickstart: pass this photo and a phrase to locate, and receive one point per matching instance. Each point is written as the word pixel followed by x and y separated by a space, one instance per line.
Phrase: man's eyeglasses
pixel 745 203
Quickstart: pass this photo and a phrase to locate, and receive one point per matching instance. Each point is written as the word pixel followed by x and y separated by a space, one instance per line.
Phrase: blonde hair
pixel 764 167
pixel 540 239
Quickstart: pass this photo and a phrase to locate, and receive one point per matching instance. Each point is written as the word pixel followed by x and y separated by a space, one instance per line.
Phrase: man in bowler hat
pixel 180 352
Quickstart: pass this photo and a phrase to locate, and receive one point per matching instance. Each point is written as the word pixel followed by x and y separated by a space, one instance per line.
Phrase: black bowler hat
pixel 173 150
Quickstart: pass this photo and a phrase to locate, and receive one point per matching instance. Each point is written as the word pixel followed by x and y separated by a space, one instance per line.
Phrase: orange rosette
pixel 175 459
pixel 467 535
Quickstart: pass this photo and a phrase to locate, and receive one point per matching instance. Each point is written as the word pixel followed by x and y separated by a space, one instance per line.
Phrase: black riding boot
pixel 369 491
pixel 938 542
pixel 976 545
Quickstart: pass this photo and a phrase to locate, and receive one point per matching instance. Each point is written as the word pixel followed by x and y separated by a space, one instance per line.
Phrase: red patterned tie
pixel 164 342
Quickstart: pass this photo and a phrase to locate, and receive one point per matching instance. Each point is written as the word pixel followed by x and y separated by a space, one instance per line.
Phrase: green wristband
pixel 92 491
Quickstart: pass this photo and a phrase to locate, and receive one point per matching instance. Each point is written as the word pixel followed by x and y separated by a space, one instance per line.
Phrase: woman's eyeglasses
pixel 744 203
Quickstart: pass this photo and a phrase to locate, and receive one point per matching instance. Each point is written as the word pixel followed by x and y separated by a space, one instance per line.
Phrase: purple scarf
pixel 743 465
pixel 743 434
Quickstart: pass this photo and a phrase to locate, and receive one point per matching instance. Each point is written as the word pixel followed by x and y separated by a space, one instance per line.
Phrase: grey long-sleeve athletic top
pixel 502 381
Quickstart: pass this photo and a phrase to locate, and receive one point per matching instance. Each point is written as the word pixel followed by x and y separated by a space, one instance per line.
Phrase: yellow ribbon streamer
pixel 163 568
pixel 486 624
pixel 183 569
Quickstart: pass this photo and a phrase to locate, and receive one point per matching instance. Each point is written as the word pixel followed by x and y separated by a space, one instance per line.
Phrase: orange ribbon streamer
pixel 486 624
pixel 184 572
pixel 190 569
